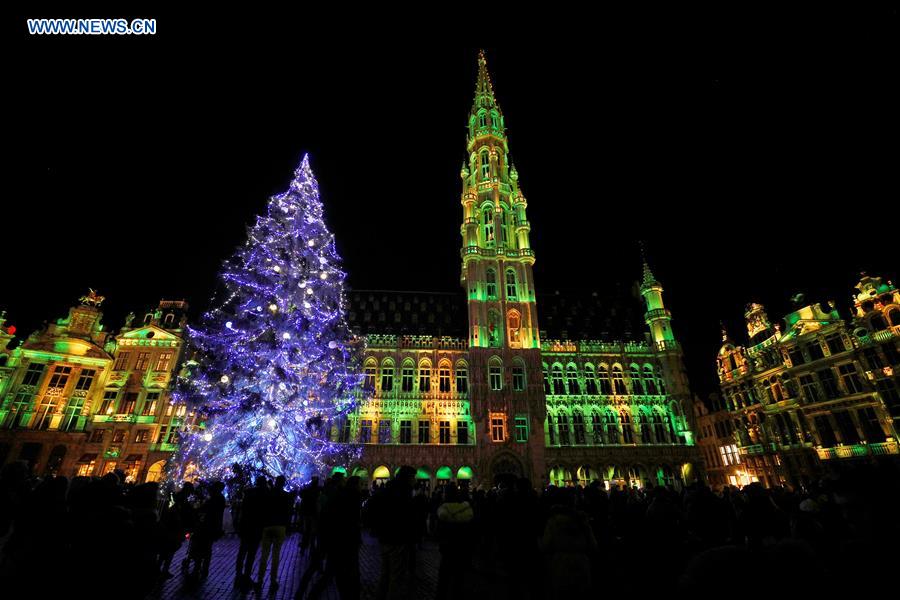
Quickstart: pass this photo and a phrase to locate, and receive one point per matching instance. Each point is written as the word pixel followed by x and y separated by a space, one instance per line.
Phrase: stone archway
pixel 506 465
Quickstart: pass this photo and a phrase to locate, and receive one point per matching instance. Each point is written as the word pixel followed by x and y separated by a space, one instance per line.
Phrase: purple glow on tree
pixel 275 363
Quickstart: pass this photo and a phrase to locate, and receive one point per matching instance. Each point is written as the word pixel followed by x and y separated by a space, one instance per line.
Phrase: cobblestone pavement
pixel 220 583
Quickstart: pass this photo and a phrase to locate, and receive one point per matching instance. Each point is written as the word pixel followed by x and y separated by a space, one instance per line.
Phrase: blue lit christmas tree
pixel 274 362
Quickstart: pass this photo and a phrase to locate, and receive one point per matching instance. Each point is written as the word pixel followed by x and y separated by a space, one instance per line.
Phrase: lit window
pixel 498 428
pixel 485 165
pixel 97 436
pixel 108 406
pixel 488 223
pixel 118 436
pixel 521 429
pixel 142 436
pixel 143 361
pixel 150 404
pixel 129 404
pixel 384 431
pixel 514 324
pixel 163 361
pixel 121 361
pixel 369 383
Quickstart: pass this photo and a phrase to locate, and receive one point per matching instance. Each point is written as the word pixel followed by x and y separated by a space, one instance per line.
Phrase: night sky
pixel 753 166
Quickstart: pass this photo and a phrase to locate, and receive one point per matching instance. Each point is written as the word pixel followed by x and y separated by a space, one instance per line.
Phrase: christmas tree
pixel 274 363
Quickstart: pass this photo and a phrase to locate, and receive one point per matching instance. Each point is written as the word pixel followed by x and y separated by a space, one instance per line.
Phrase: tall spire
pixel 649 279
pixel 484 91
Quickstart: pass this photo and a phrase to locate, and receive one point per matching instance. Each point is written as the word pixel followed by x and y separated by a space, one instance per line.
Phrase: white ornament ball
pixel 286 335
pixel 224 379
pixel 207 437
pixel 332 344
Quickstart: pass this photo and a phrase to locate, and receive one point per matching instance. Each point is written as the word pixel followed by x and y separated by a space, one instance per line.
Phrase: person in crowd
pixel 394 521
pixel 275 520
pixel 249 528
pixel 207 530
pixel 454 529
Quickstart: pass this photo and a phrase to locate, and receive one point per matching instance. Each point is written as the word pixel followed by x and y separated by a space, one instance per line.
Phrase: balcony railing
pixel 858 450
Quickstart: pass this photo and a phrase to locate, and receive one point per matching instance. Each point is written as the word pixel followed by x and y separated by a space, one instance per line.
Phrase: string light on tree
pixel 270 384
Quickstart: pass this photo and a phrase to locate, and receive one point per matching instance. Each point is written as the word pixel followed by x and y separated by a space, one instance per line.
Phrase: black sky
pixel 754 163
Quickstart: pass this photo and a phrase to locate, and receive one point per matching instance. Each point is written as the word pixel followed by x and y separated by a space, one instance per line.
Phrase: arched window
pixel 485 165
pixel 371 373
pixel 590 379
pixel 495 120
pixel 444 377
pixel 482 119
pixel 491 279
pixel 462 378
pixel 603 379
pixel 495 374
pixel 551 428
pixel 627 431
pixel 893 316
pixel 644 426
pixel 546 381
pixel 563 427
pixel 558 387
pixel 387 376
pixel 518 375
pixel 636 386
pixel 407 376
pixel 619 381
pixel 495 329
pixel 424 377
pixel 659 429
pixel 612 428
pixel 572 379
pixel 514 327
pixel 597 428
pixel 650 380
pixel 578 427
pixel 511 293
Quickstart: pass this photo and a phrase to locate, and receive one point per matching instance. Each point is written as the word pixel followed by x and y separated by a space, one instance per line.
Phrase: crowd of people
pixel 511 540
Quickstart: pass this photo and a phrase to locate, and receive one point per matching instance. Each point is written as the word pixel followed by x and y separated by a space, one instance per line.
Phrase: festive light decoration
pixel 270 383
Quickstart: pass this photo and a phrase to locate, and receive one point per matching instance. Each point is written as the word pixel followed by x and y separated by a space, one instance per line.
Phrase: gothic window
pixel 644 427
pixel 572 380
pixel 590 379
pixel 495 328
pixel 504 239
pixel 462 378
pixel 491 280
pixel 511 294
pixel 387 377
pixel 482 119
pixel 551 428
pixel 619 380
pixel 485 165
pixel 495 374
pixel 558 387
pixel 578 428
pixel 514 325
pixel 495 120
pixel 546 380
pixel 424 377
pixel 659 430
pixel 371 371
pixel 563 427
pixel 627 431
pixel 636 386
pixel 650 380
pixel 407 376
pixel 603 378
pixel 597 428
pixel 444 378
pixel 518 378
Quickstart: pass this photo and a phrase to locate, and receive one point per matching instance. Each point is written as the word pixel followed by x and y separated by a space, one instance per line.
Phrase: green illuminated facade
pixel 501 398
pixel 77 400
pixel 819 393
